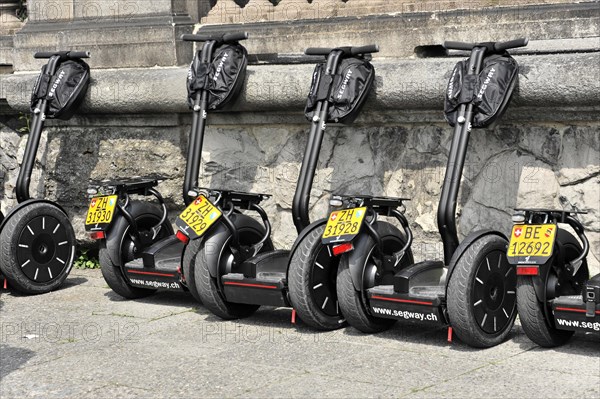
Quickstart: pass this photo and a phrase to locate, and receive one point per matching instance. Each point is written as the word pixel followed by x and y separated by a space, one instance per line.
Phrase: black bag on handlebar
pixel 65 90
pixel 346 91
pixel 223 77
pixel 489 92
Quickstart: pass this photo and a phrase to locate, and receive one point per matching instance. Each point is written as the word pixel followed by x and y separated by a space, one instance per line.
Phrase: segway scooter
pixel 138 251
pixel 236 270
pixel 37 241
pixel 474 289
pixel 555 296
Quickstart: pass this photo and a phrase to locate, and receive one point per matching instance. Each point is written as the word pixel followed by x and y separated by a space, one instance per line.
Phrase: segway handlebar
pixel 220 38
pixel 69 55
pixel 370 48
pixel 496 47
pixel 522 42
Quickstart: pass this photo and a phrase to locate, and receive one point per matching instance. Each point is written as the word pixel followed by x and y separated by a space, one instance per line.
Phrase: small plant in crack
pixel 86 260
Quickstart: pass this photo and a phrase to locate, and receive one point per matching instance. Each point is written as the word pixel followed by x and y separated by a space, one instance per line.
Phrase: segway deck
pixel 579 312
pixel 259 280
pixel 418 294
pixel 159 266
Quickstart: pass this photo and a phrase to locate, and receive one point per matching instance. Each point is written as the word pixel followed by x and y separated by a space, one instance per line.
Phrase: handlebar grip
pixel 458 45
pixel 78 54
pixel 62 54
pixel 318 51
pixel 188 37
pixel 234 37
pixel 522 42
pixel 370 48
pixel 45 54
pixel 221 38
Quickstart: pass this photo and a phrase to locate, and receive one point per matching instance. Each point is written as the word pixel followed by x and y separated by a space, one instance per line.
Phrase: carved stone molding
pixel 9 22
pixel 253 11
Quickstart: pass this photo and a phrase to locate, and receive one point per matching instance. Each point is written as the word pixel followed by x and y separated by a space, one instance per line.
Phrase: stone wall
pixel 135 120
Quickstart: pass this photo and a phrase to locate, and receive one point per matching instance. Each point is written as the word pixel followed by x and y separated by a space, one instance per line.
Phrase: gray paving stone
pixel 83 341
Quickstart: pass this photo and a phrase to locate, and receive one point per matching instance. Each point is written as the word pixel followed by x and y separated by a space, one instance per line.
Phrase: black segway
pixel 37 242
pixel 555 295
pixel 235 266
pixel 474 289
pixel 139 253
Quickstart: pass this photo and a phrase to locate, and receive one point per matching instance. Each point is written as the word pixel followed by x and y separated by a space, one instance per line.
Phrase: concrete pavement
pixel 84 341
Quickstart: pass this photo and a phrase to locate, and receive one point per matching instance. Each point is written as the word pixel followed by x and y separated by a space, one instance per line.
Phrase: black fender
pixel 361 245
pixel 540 282
pixel 27 203
pixel 466 243
pixel 306 231
pixel 219 236
pixel 118 228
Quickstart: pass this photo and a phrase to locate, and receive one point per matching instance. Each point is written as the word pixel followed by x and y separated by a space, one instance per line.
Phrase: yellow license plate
pixel 198 217
pixel 531 243
pixel 343 225
pixel 100 212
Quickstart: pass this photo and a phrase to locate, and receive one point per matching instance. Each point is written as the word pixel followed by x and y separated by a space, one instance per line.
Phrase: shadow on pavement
pixel 266 317
pixel 402 331
pixel 12 358
pixel 72 282
pixel 167 298
pixel 582 344
pixel 419 333
pixel 69 283
pixel 434 335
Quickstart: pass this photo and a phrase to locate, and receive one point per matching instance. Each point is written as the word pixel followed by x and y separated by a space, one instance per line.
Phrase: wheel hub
pixel 494 288
pixel 43 249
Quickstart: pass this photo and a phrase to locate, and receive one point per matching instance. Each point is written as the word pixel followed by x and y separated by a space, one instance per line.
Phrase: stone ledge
pixel 399 33
pixel 559 80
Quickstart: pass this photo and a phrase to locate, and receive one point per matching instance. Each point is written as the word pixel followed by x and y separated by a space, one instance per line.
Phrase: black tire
pixel 481 293
pixel 353 303
pixel 37 248
pixel 209 288
pixel 146 215
pixel 533 321
pixel 531 311
pixel 312 283
pixel 189 267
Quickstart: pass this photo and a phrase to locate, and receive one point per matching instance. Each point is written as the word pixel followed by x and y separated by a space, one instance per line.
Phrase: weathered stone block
pixel 402 86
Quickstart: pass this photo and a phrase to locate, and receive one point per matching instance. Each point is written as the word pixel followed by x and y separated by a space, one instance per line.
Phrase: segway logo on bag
pixel 451 84
pixel 55 85
pixel 486 82
pixel 189 76
pixel 220 67
pixel 344 85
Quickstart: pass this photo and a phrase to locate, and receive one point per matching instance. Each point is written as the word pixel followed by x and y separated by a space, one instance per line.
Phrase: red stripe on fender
pixel 575 310
pixel 150 273
pixel 383 298
pixel 268 287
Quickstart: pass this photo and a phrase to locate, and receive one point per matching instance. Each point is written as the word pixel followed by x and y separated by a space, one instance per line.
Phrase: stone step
pixel 227 11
